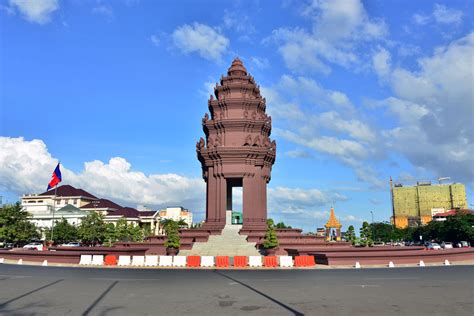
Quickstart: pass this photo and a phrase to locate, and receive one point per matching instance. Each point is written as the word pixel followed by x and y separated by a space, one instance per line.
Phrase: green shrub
pixel 270 240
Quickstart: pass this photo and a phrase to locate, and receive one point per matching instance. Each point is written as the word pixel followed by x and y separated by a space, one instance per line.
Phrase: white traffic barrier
pixel 138 261
pixel 391 265
pixel 123 261
pixel 179 261
pixel 255 261
pixel 286 261
pixel 446 262
pixel 166 261
pixel 85 259
pixel 151 261
pixel 207 261
pixel 97 260
pixel 2 260
pixel 45 263
pixel 422 263
pixel 20 261
pixel 357 265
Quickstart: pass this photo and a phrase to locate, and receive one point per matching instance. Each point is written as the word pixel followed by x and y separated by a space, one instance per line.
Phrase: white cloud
pixel 155 40
pixel 338 28
pixel 421 19
pixel 298 154
pixel 299 105
pixel 434 107
pixel 260 62
pixel 354 128
pixel 238 22
pixel 445 15
pixel 26 167
pixel 208 42
pixel 283 196
pixel 441 14
pixel 36 11
pixel 104 10
pixel 381 62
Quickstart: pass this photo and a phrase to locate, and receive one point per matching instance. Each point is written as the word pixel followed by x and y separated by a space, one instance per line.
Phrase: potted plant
pixel 270 241
pixel 172 243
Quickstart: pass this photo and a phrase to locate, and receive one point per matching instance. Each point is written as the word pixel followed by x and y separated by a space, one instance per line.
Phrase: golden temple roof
pixel 332 222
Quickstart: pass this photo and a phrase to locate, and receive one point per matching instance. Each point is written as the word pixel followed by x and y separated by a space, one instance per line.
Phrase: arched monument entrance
pixel 237 150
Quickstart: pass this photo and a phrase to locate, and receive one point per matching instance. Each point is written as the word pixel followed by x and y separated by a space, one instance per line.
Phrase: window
pixel 75 201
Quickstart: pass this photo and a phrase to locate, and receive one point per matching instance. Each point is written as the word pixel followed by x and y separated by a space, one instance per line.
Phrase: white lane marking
pixel 117 279
pixel 362 285
pixel 402 278
pixel 16 276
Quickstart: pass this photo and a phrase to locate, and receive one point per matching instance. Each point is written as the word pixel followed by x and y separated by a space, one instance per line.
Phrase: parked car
pixel 462 244
pixel 34 246
pixel 71 244
pixel 379 243
pixel 447 245
pixel 433 246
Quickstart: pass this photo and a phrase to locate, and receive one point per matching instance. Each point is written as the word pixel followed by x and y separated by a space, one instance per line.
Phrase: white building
pixel 176 214
pixel 66 201
pixel 75 204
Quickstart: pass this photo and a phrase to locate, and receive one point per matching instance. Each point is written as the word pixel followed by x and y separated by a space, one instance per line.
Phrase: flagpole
pixel 54 209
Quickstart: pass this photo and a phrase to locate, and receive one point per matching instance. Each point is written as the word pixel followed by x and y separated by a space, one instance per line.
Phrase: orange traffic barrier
pixel 240 261
pixel 311 261
pixel 222 261
pixel 110 260
pixel 270 261
pixel 193 261
pixel 301 261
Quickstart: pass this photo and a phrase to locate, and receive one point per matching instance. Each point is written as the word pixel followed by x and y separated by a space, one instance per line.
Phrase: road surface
pixel 36 290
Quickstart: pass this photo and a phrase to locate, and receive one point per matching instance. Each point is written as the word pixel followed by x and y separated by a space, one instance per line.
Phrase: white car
pixel 34 246
pixel 433 246
pixel 71 244
pixel 447 245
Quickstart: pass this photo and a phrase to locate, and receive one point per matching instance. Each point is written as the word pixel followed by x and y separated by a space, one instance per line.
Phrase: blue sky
pixel 358 91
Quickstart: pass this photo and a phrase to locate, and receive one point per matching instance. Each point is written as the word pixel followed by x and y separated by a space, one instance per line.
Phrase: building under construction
pixel 416 205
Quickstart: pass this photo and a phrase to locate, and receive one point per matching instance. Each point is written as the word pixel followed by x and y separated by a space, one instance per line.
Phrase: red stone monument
pixel 237 150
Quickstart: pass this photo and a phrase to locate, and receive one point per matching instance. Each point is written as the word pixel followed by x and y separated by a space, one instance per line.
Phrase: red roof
pixel 102 203
pixel 126 212
pixel 68 190
pixel 147 213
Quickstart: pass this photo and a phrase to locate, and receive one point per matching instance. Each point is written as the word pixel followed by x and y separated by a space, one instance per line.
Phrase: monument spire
pixel 237 150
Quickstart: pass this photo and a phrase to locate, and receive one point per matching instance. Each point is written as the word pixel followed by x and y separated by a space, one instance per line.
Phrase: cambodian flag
pixel 55 178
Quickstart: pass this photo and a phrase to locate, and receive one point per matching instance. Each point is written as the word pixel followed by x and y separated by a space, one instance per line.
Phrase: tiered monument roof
pixel 333 222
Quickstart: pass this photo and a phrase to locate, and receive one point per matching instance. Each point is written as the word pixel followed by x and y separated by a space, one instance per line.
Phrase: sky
pixel 358 91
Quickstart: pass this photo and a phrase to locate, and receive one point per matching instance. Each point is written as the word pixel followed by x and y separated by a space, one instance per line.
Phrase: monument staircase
pixel 228 243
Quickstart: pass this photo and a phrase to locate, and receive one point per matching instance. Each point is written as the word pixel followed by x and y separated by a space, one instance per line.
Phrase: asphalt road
pixel 35 290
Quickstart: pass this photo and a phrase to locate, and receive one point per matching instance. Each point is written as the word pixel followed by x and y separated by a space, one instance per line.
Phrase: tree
pixel 135 233
pixel 182 223
pixel 92 229
pixel 122 231
pixel 282 225
pixel 110 234
pixel 366 234
pixel 14 225
pixel 350 235
pixel 63 232
pixel 270 240
pixel 172 234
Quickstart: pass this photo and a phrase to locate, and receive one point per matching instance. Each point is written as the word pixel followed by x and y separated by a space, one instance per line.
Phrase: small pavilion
pixel 333 223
